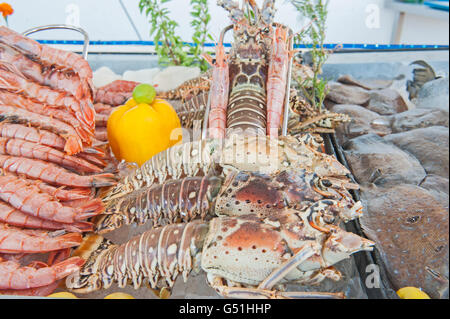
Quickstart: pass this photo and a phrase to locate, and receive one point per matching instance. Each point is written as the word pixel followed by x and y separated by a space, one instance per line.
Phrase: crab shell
pixel 247 250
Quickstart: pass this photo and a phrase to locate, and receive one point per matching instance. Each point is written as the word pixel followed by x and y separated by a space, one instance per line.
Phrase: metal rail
pixel 65 27
pixel 284 128
pixel 366 258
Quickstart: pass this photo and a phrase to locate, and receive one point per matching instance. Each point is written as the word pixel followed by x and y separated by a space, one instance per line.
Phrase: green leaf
pixel 169 47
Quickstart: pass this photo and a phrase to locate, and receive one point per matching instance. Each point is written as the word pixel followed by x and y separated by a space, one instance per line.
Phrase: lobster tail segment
pixel 158 255
pixel 184 199
pixel 88 279
pixel 109 222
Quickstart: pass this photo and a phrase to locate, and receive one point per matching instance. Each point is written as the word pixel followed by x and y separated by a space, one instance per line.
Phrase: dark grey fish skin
pixel 410 228
pixel 373 160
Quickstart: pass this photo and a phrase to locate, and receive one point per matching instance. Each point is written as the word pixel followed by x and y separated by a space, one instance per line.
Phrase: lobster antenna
pixel 306 27
pixel 251 4
pixel 268 11
pixel 236 14
pixel 338 47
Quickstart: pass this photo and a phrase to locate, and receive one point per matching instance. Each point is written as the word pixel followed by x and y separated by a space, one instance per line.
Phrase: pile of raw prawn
pixel 106 98
pixel 50 162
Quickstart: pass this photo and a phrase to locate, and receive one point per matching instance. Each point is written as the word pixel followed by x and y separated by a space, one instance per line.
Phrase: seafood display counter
pixel 389 71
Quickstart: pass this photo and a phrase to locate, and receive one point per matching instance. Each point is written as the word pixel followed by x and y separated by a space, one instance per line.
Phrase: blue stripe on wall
pixel 327 46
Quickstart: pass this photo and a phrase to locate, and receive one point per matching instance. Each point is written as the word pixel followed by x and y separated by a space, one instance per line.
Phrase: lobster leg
pixel 278 274
pixel 252 293
pixel 263 291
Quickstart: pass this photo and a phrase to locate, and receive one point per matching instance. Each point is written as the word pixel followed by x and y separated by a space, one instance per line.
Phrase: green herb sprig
pixel 314 37
pixel 200 23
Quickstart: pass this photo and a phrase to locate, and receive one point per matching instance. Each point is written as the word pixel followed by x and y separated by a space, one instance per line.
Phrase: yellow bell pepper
pixel 136 132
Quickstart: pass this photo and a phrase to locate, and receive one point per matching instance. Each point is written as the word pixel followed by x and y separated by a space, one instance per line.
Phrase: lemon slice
pixel 63 295
pixel 119 295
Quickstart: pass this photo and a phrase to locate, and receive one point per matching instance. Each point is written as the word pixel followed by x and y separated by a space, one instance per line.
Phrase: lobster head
pixel 252 26
pixel 248 249
pixel 250 11
pixel 247 193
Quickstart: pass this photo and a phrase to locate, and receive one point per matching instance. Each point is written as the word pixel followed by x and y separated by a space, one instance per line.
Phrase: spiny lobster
pixel 246 87
pixel 239 193
pixel 215 157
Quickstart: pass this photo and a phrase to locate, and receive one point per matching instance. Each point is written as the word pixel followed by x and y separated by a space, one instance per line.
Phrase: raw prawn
pixel 70 83
pixel 115 93
pixel 32 134
pixel 62 193
pixel 29 68
pixel 101 119
pixel 92 159
pixel 12 216
pixel 219 93
pixel 14 240
pixel 29 199
pixel 14 276
pixel 101 134
pixel 73 144
pixel 101 108
pixel 22 148
pixel 8 98
pixel 54 258
pixel 276 82
pixel 44 137
pixel 120 86
pixel 52 77
pixel 12 79
pixel 61 59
